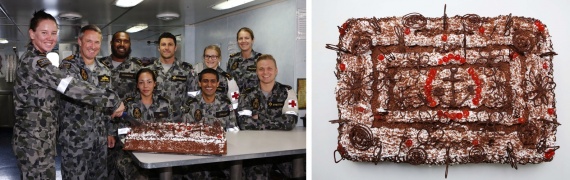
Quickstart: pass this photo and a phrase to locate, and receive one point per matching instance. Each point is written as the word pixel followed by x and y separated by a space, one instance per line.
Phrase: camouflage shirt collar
pixel 32 48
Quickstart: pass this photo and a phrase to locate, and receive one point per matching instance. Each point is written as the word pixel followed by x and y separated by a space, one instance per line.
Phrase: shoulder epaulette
pixel 65 64
pixel 128 99
pixel 224 99
pixel 248 90
pixel 258 54
pixel 104 61
pixel 235 54
pixel 164 97
pixel 187 66
pixel 227 75
pixel 69 58
pixel 137 61
pixel 286 86
pixel 190 100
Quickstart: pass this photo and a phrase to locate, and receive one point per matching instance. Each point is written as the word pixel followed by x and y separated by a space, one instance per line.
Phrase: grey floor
pixel 8 165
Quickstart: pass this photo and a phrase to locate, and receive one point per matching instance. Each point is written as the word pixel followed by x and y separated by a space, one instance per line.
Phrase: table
pixel 242 145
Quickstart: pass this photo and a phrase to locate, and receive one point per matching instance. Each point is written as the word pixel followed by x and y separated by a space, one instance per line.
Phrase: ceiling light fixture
pixel 167 16
pixel 70 16
pixel 137 28
pixel 229 4
pixel 3 41
pixel 127 3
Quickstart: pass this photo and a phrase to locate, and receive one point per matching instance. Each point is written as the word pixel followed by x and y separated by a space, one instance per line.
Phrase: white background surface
pixel 327 15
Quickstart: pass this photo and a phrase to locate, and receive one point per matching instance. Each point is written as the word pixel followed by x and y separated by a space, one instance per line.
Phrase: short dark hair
pixel 210 71
pixel 113 38
pixel 40 16
pixel 246 29
pixel 89 27
pixel 145 70
pixel 167 35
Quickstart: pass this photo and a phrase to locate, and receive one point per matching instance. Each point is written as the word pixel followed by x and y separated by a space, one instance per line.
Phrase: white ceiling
pixel 16 14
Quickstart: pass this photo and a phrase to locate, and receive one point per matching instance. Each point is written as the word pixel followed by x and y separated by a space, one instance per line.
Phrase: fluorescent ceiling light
pixel 3 41
pixel 229 4
pixel 127 3
pixel 137 28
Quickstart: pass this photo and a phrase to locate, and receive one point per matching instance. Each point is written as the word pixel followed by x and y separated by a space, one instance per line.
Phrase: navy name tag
pixel 252 68
pixel 178 78
pixel 160 114
pixel 222 114
pixel 127 75
pixel 275 104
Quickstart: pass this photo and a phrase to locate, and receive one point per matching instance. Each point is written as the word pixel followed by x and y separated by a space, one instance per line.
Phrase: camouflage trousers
pixel 35 149
pixel 84 155
pixel 127 167
pixel 112 159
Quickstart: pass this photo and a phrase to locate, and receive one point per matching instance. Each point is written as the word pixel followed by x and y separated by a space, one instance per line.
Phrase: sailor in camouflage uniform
pixel 144 105
pixel 83 127
pixel 268 106
pixel 123 70
pixel 241 65
pixel 174 77
pixel 36 93
pixel 208 107
pixel 228 86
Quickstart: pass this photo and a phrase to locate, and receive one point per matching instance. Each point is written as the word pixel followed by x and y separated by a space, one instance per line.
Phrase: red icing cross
pixel 235 96
pixel 292 103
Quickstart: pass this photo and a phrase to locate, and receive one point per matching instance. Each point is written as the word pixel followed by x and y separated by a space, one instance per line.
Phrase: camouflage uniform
pixel 175 83
pixel 220 111
pixel 228 87
pixel 83 127
pixel 277 112
pixel 35 97
pixel 159 110
pixel 124 81
pixel 243 70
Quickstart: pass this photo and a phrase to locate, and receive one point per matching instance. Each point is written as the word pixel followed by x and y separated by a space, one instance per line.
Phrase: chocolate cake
pixel 445 90
pixel 177 138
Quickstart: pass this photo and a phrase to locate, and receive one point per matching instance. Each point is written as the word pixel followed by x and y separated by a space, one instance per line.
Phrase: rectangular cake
pixel 445 90
pixel 180 138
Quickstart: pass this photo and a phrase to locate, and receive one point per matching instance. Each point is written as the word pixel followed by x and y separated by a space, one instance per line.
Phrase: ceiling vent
pixel 70 16
pixel 167 16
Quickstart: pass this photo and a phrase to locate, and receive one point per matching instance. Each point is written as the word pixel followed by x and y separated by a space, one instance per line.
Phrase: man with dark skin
pixel 123 69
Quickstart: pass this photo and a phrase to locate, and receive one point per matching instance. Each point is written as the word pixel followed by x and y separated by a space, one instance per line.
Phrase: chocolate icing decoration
pixel 538 87
pixel 375 23
pixel 508 25
pixel 471 22
pixel 378 156
pixel 416 156
pixel 357 87
pixel 414 20
pixel 511 157
pixel 445 17
pixel 528 134
pixel 523 41
pixel 477 154
pixel 336 48
pixel 361 137
pixel 481 90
